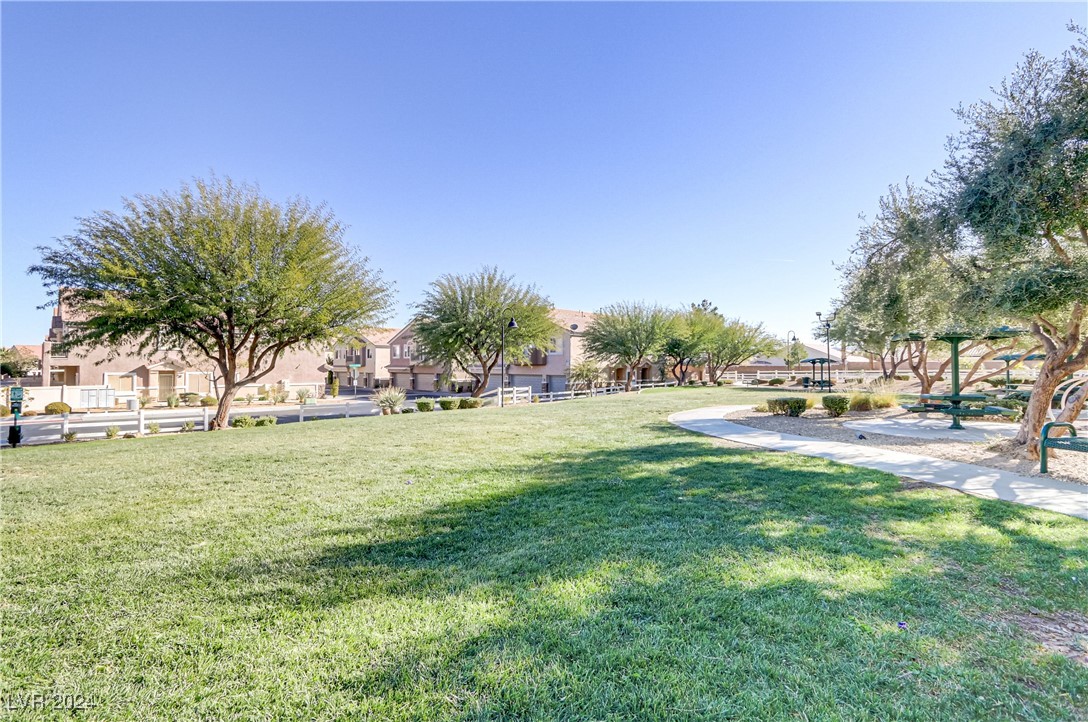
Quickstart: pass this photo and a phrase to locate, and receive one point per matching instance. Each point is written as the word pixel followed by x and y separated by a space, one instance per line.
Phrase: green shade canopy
pixel 1013 357
pixel 816 360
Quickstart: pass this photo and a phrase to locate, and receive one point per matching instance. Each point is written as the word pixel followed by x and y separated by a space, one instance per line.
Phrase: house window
pixel 557 347
pixel 407 350
pixel 396 352
pixel 369 352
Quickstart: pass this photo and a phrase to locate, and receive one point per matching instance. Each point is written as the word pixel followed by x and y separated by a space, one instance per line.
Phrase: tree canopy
pixel 461 318
pixel 628 334
pixel 218 271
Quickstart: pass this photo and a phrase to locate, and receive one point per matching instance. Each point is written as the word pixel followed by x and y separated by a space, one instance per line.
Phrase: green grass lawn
pixel 570 561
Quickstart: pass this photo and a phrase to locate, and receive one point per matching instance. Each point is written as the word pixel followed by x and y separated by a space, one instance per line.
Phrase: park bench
pixel 1068 443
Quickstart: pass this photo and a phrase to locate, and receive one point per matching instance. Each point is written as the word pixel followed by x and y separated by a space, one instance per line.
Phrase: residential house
pixel 127 373
pixel 364 361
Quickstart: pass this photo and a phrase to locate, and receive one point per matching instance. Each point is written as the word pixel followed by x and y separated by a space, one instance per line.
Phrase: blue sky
pixel 667 152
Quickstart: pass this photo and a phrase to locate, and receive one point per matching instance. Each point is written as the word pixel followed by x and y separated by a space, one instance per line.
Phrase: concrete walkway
pixel 983 481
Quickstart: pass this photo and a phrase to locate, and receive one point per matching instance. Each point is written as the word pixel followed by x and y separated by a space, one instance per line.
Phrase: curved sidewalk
pixel 1051 494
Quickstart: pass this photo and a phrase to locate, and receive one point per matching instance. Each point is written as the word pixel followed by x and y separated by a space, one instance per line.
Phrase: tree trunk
pixel 222 413
pixel 481 387
pixel 1031 426
pixel 1077 402
pixel 627 379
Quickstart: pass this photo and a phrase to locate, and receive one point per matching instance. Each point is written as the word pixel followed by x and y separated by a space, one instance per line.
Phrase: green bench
pixel 1069 443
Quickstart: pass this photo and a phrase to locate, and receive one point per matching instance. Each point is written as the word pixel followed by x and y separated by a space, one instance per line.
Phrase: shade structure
pixel 817 360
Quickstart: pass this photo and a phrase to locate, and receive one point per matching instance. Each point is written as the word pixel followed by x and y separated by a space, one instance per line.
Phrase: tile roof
pixel 379 336
pixel 567 318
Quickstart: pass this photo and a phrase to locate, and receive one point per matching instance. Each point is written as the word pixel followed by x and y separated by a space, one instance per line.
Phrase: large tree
pixel 628 334
pixel 217 271
pixel 688 339
pixel 461 318
pixel 733 342
pixel 1016 190
pixel 17 363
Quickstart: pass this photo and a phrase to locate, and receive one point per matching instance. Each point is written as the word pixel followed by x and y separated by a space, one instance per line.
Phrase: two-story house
pixel 364 361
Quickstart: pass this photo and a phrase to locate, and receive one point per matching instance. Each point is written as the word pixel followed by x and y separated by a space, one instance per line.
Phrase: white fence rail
pixel 93 425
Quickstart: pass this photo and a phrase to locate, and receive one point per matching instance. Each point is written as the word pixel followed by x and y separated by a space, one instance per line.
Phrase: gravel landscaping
pixel 1069 466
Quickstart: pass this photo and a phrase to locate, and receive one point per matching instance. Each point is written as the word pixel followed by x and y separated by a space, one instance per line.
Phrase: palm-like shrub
pixel 302 395
pixel 390 399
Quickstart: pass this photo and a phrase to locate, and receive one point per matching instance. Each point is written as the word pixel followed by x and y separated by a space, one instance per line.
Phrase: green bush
pixel 901 377
pixel 762 408
pixel 112 432
pixel 788 406
pixel 57 407
pixel 243 422
pixel 153 427
pixel 468 402
pixel 69 437
pixel 425 404
pixel 720 382
pixel 265 421
pixel 861 402
pixel 757 382
pixel 691 382
pixel 334 391
pixel 209 401
pixel 836 405
pixel 776 382
pixel 190 398
pixel 303 394
pixel 4 411
pixel 448 404
pixel 406 410
pixel 188 426
pixel 144 401
pixel 173 401
pixel 248 398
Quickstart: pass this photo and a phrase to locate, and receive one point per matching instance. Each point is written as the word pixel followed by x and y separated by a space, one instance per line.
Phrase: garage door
pixel 402 380
pixel 524 380
pixel 557 383
pixel 425 382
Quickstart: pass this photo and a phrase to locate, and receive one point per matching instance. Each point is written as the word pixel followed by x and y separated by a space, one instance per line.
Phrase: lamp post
pixel 502 356
pixel 825 323
pixel 789 351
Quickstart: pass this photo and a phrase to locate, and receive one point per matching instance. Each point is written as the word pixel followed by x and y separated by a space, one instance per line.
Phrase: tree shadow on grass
pixel 682 580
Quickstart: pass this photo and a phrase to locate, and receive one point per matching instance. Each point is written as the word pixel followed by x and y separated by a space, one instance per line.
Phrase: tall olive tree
pixel 1016 189
pixel 461 318
pixel 733 342
pixel 688 338
pixel 628 334
pixel 217 271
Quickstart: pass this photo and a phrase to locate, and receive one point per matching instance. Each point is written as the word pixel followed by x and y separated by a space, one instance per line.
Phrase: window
pixel 407 350
pixel 396 352
pixel 369 352
pixel 557 347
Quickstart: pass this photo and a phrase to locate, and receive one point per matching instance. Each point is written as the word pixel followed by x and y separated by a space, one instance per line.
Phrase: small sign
pixel 16 393
pixel 16 407
pixel 354 366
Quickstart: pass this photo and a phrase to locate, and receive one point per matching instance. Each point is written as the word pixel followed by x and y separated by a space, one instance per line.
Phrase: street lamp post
pixel 826 324
pixel 502 356
pixel 789 351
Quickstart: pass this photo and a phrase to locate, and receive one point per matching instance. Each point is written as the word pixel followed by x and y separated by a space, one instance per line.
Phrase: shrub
pixel 758 382
pixel 334 389
pixel 776 382
pixel 4 411
pixel 188 426
pixel 69 437
pixel 248 398
pixel 425 404
pixel 390 399
pixel 720 382
pixel 173 401
pixel 884 400
pixel 278 397
pixel 57 407
pixel 190 398
pixel 144 401
pixel 448 404
pixel 243 422
pixel 30 412
pixel 810 403
pixel 788 406
pixel 302 395
pixel 112 432
pixel 762 408
pixel 535 399
pixel 406 410
pixel 704 383
pixel 691 382
pixel 861 402
pixel 153 427
pixel 470 402
pixel 836 405
pixel 265 421
pixel 262 397
pixel 211 401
